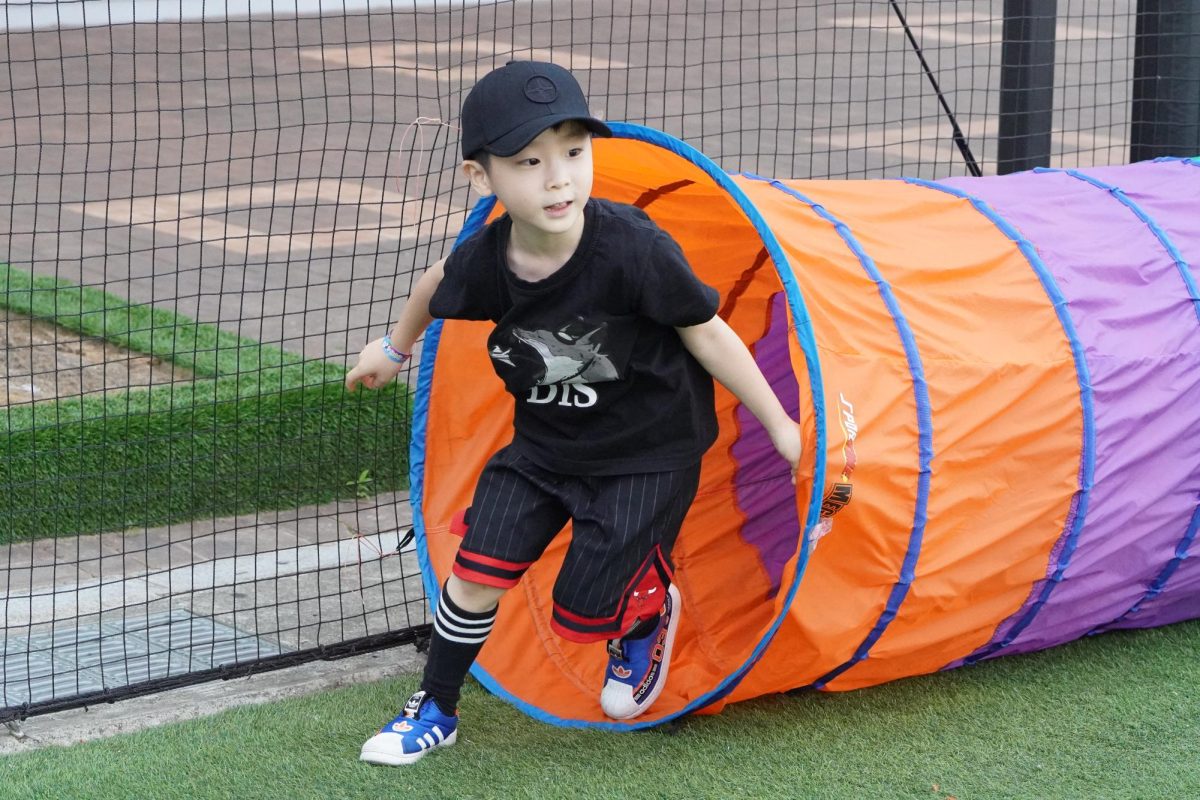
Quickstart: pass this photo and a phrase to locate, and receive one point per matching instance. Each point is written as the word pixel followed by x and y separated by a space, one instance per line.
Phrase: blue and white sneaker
pixel 420 727
pixel 637 668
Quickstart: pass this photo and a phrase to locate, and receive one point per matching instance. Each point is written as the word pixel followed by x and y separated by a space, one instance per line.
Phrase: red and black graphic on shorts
pixel 643 598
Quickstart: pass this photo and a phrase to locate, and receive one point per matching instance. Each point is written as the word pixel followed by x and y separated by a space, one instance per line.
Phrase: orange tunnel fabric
pixel 943 393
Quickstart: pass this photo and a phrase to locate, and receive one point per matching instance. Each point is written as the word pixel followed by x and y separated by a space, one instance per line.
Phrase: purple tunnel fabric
pixel 1129 297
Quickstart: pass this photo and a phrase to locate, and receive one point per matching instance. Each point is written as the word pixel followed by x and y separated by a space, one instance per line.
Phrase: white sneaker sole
pixel 616 699
pixel 378 751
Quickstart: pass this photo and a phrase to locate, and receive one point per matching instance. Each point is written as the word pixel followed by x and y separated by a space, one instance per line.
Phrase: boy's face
pixel 545 186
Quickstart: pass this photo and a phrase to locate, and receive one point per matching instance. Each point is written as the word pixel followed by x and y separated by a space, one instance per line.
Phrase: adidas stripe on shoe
pixel 637 668
pixel 420 728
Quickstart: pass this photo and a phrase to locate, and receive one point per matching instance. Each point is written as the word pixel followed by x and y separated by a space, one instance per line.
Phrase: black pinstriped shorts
pixel 618 564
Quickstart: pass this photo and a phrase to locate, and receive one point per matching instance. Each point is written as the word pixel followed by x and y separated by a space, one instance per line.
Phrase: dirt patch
pixel 41 361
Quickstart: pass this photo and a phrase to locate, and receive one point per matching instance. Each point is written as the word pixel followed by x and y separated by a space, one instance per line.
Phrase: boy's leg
pixel 514 515
pixel 465 614
pixel 430 717
pixel 616 581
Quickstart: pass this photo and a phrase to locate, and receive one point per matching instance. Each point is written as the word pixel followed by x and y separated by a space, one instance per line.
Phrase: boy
pixel 609 344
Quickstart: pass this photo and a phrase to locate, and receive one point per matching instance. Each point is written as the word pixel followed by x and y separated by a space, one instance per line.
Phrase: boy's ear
pixel 477 175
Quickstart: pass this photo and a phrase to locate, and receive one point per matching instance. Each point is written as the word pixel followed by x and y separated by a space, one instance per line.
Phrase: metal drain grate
pixel 77 659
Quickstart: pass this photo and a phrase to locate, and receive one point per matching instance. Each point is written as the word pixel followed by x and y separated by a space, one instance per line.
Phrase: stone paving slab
pixel 63 728
pixel 235 589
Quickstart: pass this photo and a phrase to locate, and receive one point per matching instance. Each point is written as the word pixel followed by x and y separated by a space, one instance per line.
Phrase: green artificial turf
pixel 1112 716
pixel 258 429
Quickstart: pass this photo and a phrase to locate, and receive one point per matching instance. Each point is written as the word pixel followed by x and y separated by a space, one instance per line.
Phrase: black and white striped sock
pixel 457 638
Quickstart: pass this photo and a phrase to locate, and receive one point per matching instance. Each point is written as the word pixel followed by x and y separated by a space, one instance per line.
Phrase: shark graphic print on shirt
pixel 576 352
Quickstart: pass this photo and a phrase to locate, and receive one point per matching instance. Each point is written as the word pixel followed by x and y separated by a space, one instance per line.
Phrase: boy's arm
pixel 722 353
pixel 374 368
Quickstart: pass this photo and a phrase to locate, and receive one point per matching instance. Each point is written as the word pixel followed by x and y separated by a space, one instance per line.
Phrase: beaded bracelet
pixel 392 353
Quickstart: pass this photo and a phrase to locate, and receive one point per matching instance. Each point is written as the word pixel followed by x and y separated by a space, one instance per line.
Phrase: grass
pixel 1112 716
pixel 204 349
pixel 258 429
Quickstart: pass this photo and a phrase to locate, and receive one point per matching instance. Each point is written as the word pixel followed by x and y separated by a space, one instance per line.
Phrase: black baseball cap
pixel 510 106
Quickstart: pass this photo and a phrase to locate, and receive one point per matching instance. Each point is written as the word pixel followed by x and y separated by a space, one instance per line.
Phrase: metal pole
pixel 1166 80
pixel 1026 85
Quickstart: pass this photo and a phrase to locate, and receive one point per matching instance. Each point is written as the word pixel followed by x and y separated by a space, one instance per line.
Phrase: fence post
pixel 1166 80
pixel 1026 85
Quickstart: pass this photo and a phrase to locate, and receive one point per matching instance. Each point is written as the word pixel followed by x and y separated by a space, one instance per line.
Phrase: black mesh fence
pixel 206 209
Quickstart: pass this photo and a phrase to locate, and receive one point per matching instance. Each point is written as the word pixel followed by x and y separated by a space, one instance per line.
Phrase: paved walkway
pixel 99 721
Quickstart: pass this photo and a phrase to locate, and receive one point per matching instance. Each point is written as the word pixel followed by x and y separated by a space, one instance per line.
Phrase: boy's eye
pixel 575 151
pixel 533 162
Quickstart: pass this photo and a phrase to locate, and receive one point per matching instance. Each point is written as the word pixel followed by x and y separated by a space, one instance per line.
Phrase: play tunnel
pixel 998 383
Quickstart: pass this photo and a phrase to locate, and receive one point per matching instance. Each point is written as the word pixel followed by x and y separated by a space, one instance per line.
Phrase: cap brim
pixel 516 140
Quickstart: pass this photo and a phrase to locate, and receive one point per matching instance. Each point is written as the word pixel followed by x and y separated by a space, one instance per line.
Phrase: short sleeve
pixel 671 294
pixel 467 290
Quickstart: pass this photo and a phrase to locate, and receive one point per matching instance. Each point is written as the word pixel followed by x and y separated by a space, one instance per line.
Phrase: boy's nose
pixel 558 176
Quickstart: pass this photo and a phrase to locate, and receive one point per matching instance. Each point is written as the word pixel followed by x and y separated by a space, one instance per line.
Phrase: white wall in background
pixel 24 15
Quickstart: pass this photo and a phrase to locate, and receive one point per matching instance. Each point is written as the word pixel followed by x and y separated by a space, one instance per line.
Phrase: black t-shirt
pixel 602 382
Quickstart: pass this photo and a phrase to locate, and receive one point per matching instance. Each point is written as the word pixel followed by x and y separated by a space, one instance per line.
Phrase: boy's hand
pixel 786 438
pixel 373 369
